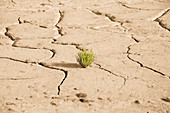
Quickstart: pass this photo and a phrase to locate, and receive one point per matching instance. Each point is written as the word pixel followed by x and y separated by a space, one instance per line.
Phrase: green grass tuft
pixel 85 58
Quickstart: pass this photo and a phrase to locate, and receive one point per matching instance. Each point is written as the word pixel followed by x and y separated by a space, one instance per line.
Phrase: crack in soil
pixel 38 63
pixel 61 13
pixel 19 21
pixel 13 1
pixel 166 99
pixel 72 44
pixel 26 61
pixel 163 13
pixel 160 22
pixel 111 17
pixel 61 16
pixel 100 67
pixel 104 69
pixel 25 21
pixel 9 35
pixel 128 56
pixel 17 79
pixel 65 72
pixel 136 40
pixel 135 8
pixel 26 47
pixel 157 19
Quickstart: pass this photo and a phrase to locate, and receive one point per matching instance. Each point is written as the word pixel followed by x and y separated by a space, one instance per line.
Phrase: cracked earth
pixel 39 42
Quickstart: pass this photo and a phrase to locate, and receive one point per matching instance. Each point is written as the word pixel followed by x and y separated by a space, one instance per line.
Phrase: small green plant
pixel 85 58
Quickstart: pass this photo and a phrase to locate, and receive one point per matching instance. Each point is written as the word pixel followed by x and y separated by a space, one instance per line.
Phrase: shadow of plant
pixel 67 65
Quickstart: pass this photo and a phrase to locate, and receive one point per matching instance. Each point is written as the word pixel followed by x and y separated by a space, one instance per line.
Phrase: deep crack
pixel 164 12
pixel 61 16
pixel 60 30
pixel 166 99
pixel 19 21
pixel 160 22
pixel 128 55
pixel 53 52
pixel 66 73
pixel 65 76
pixel 136 40
pixel 60 19
pixel 13 1
pixel 8 34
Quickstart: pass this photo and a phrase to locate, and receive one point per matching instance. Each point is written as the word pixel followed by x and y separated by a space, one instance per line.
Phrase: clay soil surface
pixel 40 40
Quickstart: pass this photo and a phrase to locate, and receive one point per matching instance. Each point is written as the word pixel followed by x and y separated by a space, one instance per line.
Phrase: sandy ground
pixel 39 42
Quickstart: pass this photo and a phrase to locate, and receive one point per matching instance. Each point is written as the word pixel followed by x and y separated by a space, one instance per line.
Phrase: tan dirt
pixel 40 40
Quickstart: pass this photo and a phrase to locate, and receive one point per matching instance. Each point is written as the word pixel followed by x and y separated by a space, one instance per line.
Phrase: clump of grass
pixel 85 58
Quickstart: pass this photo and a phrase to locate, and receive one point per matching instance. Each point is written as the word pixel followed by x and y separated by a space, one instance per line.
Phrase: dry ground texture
pixel 39 41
